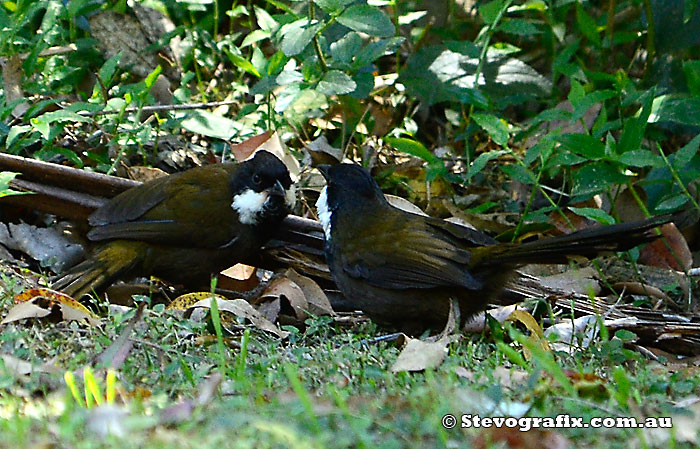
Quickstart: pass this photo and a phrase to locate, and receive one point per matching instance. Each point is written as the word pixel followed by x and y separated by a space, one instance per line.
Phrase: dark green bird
pixel 186 226
pixel 401 269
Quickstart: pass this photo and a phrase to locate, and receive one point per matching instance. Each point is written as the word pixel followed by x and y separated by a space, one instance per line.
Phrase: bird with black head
pixel 402 269
pixel 186 226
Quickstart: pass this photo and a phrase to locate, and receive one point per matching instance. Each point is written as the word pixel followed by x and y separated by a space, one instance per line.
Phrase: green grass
pixel 328 389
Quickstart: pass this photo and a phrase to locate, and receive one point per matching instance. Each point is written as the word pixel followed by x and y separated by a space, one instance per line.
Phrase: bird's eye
pixel 257 179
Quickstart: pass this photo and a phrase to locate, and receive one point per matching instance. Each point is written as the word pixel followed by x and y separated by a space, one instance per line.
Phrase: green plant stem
pixel 317 45
pixel 677 178
pixel 216 18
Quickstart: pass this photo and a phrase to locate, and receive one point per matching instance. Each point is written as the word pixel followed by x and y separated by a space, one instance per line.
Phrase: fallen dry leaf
pixel 241 308
pixel 288 292
pixel 42 302
pixel 20 367
pixel 670 251
pixel 419 355
pixel 318 303
pixel 319 152
pixel 269 142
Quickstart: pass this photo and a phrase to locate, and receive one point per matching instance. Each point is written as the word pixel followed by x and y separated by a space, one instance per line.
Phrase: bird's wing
pixel 412 254
pixel 172 209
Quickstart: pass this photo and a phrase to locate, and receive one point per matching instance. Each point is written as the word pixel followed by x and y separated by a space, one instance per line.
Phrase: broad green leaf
pixel 307 100
pixel 5 190
pixel 332 6
pixel 208 124
pixel 519 173
pixel 489 11
pixel 595 178
pixel 408 18
pixel 108 68
pixel 15 132
pixel 593 213
pixel 519 27
pixel 243 64
pixel 495 127
pixel 584 145
pixel 641 158
pixel 680 108
pixel 265 20
pixel 691 69
pixel 255 36
pixel 672 203
pixel 481 161
pixel 345 48
pixel 335 82
pixel 297 35
pixel 367 19
pixel 680 158
pixel 411 146
pixel 587 25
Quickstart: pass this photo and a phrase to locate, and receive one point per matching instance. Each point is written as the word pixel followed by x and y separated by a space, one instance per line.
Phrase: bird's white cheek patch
pixel 248 205
pixel 324 214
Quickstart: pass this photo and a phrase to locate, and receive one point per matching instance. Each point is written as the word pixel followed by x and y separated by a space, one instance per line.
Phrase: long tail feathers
pixel 107 264
pixel 588 242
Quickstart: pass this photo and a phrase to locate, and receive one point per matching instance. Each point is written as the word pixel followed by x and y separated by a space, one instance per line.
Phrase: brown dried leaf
pixel 288 291
pixel 419 355
pixel 42 302
pixel 145 174
pixel 271 143
pixel 319 152
pixel 241 308
pixel 670 251
pixel 318 303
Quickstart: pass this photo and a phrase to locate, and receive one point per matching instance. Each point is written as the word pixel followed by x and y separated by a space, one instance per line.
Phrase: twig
pixel 163 107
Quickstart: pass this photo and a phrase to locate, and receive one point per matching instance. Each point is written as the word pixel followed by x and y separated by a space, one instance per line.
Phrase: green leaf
pixel 682 157
pixel 265 20
pixel 108 68
pixel 583 144
pixel 345 48
pixel 495 127
pixel 587 25
pixel 335 82
pixel 519 27
pixel 208 124
pixel 593 213
pixel 367 19
pixel 481 161
pixel 680 108
pixel 489 12
pixel 519 173
pixel 5 190
pixel 412 147
pixel 255 36
pixel 332 7
pixel 641 158
pixel 243 64
pixel 595 178
pixel 691 69
pixel 297 35
pixel 672 203
pixel 152 77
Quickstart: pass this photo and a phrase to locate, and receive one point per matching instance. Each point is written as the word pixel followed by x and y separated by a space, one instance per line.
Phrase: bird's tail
pixel 588 242
pixel 108 263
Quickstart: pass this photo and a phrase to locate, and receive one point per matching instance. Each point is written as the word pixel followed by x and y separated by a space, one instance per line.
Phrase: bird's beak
pixel 324 168
pixel 278 189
